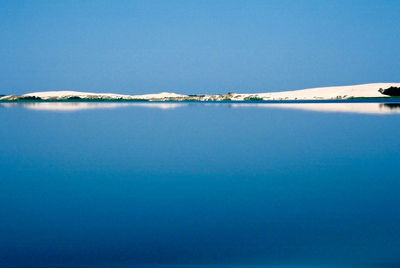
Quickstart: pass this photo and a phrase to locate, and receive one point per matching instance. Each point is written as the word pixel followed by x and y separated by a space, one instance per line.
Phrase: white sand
pixel 159 95
pixel 323 93
pixel 66 94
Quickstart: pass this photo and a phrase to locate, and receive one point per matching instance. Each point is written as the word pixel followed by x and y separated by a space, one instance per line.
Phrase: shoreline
pixel 341 93
pixel 380 107
pixel 350 100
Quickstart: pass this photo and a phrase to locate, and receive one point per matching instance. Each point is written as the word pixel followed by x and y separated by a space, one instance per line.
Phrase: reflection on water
pixel 76 106
pixel 394 106
pixel 361 108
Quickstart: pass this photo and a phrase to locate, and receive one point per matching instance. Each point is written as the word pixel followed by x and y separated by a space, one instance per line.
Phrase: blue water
pixel 200 185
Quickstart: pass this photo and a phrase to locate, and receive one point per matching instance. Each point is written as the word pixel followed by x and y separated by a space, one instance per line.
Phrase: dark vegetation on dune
pixel 29 98
pixel 391 91
pixel 195 95
pixel 253 99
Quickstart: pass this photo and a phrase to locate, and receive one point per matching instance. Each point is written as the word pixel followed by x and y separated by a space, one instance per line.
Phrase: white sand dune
pixel 325 93
pixel 322 93
pixel 65 94
pixel 159 95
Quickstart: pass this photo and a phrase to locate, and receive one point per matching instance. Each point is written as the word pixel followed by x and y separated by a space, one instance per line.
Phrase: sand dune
pixel 326 93
pixel 322 93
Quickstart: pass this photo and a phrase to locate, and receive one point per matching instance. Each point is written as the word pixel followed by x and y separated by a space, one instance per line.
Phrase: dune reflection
pixel 78 106
pixel 359 108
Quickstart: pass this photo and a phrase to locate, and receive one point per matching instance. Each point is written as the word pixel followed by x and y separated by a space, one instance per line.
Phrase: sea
pixel 108 184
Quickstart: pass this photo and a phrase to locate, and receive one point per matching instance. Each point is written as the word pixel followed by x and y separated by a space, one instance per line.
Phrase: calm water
pixel 121 185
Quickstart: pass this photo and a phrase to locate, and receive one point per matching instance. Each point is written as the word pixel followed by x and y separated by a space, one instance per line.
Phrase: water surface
pixel 132 184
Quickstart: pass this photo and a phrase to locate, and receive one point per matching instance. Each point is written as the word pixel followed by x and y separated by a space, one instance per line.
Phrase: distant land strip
pixel 375 90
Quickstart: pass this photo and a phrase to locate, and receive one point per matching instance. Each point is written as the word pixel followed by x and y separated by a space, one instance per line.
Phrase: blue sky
pixel 196 46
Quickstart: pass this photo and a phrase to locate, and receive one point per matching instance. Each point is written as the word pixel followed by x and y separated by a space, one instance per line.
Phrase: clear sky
pixel 196 46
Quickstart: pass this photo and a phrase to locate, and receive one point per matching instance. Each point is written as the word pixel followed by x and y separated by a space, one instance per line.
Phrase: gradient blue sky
pixel 196 46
